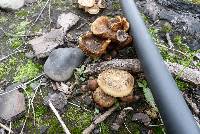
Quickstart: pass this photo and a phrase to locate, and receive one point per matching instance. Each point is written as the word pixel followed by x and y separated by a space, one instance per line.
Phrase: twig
pixel 6 128
pixel 22 85
pixel 156 125
pixel 50 12
pixel 83 24
pixel 99 119
pixel 59 118
pixel 172 49
pixel 127 128
pixel 10 126
pixel 171 45
pixel 40 13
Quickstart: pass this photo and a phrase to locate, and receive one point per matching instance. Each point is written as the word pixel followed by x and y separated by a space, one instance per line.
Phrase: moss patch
pixel 27 71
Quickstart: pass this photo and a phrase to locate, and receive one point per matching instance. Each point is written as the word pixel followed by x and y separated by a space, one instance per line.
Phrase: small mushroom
pixel 100 27
pixel 86 3
pixel 119 23
pixel 124 40
pixel 92 10
pixel 92 84
pixel 102 99
pixel 92 45
pixel 116 83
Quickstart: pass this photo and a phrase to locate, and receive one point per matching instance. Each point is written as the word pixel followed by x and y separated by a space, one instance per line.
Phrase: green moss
pixel 193 1
pixel 22 13
pixel 40 110
pixel 104 128
pixel 80 119
pixel 3 19
pixel 6 68
pixel 116 5
pixel 182 85
pixel 21 28
pixel 16 42
pixel 29 70
pixel 167 27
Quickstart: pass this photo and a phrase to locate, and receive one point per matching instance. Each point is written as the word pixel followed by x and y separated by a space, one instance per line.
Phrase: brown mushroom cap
pixel 119 23
pixel 86 3
pixel 124 40
pixel 117 83
pixel 102 99
pixel 92 45
pixel 100 25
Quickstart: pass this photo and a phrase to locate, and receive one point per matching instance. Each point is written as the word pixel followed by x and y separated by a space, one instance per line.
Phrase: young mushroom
pixel 116 83
pixel 102 99
pixel 92 45
pixel 86 3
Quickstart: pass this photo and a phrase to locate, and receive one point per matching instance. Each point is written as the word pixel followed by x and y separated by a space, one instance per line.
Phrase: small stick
pixel 59 118
pixel 41 12
pixel 171 45
pixel 101 118
pixel 6 128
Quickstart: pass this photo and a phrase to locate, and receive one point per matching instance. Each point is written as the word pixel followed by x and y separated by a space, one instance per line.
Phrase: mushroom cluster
pixel 105 32
pixel 112 84
pixel 92 6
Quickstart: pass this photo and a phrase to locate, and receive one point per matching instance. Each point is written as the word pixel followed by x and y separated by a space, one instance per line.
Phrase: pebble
pixel 62 62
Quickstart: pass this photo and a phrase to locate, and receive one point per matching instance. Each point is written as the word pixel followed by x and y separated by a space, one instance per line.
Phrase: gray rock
pixel 11 105
pixel 59 100
pixel 61 63
pixel 67 20
pixel 46 43
pixel 11 4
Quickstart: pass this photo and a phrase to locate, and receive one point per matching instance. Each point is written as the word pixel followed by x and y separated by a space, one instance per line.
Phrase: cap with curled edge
pixel 116 83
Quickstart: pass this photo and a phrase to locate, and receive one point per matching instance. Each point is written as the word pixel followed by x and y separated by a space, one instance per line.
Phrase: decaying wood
pixel 99 119
pixel 184 73
pixel 134 65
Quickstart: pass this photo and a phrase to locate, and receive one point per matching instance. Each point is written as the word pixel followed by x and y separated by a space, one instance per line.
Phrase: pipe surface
pixel 174 111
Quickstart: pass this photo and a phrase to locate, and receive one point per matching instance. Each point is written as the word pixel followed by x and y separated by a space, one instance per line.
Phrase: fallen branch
pixel 59 118
pixel 99 119
pixel 6 128
pixel 134 65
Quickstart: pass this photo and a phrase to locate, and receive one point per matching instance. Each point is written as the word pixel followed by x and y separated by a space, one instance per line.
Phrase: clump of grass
pixel 29 71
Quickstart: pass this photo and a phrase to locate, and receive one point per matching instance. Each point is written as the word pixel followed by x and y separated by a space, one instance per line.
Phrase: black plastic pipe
pixel 174 111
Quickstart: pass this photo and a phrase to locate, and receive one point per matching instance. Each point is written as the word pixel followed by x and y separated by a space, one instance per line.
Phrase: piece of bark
pixel 99 119
pixel 46 43
pixel 185 73
pixel 132 65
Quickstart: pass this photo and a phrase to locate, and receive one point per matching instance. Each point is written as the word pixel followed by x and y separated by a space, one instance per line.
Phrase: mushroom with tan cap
pixel 86 3
pixel 92 45
pixel 92 6
pixel 116 83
